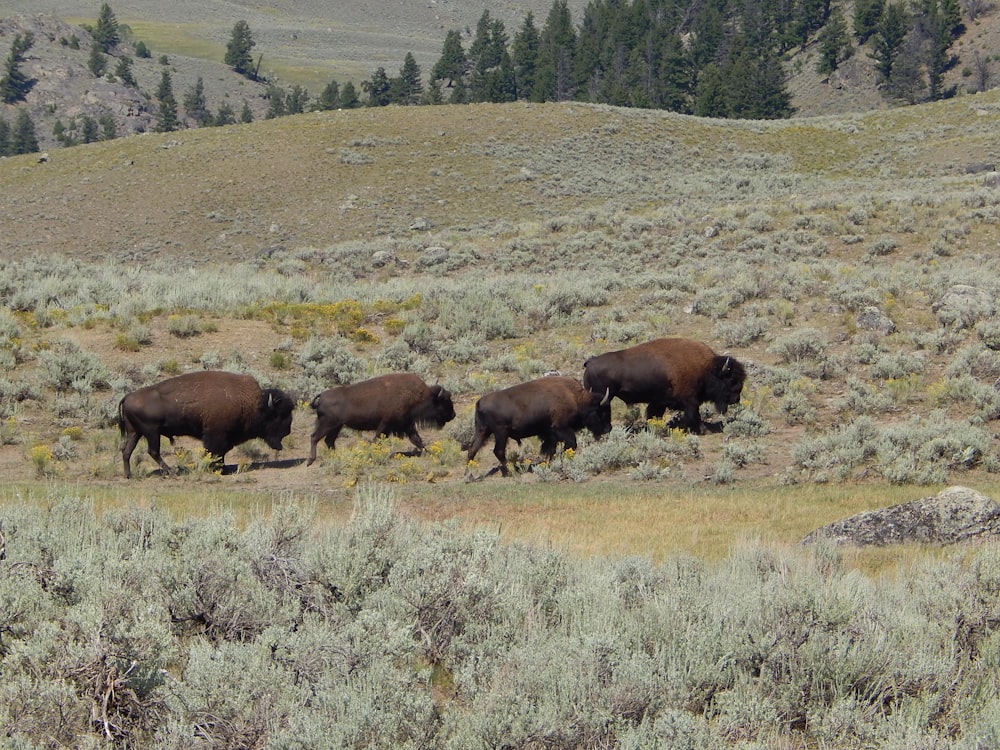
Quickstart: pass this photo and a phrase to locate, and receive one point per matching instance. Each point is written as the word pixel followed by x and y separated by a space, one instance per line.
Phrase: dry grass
pixel 668 216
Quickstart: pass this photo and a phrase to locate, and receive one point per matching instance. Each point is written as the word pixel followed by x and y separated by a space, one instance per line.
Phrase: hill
pixel 311 46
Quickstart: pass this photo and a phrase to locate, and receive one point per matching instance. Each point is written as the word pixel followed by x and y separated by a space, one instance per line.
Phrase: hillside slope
pixel 332 177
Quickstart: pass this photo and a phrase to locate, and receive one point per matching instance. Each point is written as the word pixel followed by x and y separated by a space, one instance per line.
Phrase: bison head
pixel 438 409
pixel 596 417
pixel 444 409
pixel 275 415
pixel 724 383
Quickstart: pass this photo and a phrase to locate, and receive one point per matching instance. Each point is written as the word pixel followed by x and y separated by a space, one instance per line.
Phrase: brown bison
pixel 222 409
pixel 389 404
pixel 552 408
pixel 667 373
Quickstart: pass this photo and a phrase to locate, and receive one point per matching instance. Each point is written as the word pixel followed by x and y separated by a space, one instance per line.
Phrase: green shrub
pixel 66 367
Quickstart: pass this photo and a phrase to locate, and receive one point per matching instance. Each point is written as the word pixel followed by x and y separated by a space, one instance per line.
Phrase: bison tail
pixel 121 417
pixel 315 402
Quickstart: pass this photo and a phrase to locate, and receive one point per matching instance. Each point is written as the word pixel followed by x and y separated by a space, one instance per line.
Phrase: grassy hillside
pixel 847 261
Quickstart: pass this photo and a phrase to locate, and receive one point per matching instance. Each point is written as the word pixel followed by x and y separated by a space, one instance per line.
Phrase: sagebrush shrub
pixel 136 629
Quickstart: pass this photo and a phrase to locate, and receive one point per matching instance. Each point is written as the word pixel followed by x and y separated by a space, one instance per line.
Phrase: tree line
pixel 712 58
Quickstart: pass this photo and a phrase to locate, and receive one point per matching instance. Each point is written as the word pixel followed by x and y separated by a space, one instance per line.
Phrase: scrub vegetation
pixel 849 263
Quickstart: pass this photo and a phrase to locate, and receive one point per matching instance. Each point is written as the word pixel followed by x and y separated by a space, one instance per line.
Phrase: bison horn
pixel 607 396
pixel 270 400
pixel 725 366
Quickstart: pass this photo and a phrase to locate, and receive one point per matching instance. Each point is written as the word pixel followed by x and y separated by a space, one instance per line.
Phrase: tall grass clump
pixel 922 450
pixel 134 629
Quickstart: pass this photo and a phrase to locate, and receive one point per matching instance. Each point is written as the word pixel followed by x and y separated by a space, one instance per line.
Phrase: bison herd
pixel 225 409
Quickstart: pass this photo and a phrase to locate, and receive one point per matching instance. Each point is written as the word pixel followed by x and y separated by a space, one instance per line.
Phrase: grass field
pixel 481 246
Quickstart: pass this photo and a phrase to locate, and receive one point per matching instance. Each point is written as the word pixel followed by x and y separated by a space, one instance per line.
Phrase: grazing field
pixel 849 263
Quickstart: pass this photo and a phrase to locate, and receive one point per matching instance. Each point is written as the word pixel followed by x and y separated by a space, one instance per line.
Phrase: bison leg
pixel 477 442
pixel 410 432
pixel 414 437
pixel 131 441
pixel 217 447
pixel 500 451
pixel 548 448
pixel 153 448
pixel 320 433
pixel 689 419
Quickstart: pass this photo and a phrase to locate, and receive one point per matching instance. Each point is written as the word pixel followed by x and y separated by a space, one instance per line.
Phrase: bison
pixel 672 372
pixel 222 409
pixel 552 408
pixel 389 404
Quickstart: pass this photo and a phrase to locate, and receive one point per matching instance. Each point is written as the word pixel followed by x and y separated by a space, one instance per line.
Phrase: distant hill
pixel 310 44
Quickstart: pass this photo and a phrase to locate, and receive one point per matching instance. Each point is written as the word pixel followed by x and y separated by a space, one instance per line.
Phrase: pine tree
pixel 5 147
pixel 867 14
pixel 906 82
pixel 225 116
pixel 297 100
pixel 527 42
pixel 195 104
pixel 23 139
pixel 97 63
pixel 554 77
pixel 58 132
pixel 409 76
pixel 15 85
pixel 888 38
pixel 676 75
pixel 453 62
pixel 123 71
pixel 246 114
pixel 88 129
pixel 349 96
pixel 106 33
pixel 711 97
pixel 109 131
pixel 834 43
pixel 433 94
pixel 329 98
pixel 276 102
pixel 238 55
pixel 502 82
pixel 377 88
pixel 166 115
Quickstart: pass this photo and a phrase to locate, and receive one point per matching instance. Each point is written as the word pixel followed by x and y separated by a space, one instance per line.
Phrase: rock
pixel 873 319
pixel 381 258
pixel 420 224
pixel 433 256
pixel 957 514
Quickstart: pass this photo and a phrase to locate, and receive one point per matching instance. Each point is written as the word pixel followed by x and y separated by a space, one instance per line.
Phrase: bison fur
pixel 675 373
pixel 552 408
pixel 222 409
pixel 391 404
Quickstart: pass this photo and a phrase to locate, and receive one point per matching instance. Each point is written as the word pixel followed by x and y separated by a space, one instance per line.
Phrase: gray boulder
pixel 957 514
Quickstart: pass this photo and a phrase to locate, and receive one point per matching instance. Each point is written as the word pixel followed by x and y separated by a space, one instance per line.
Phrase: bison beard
pixel 391 404
pixel 552 408
pixel 221 409
pixel 672 373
